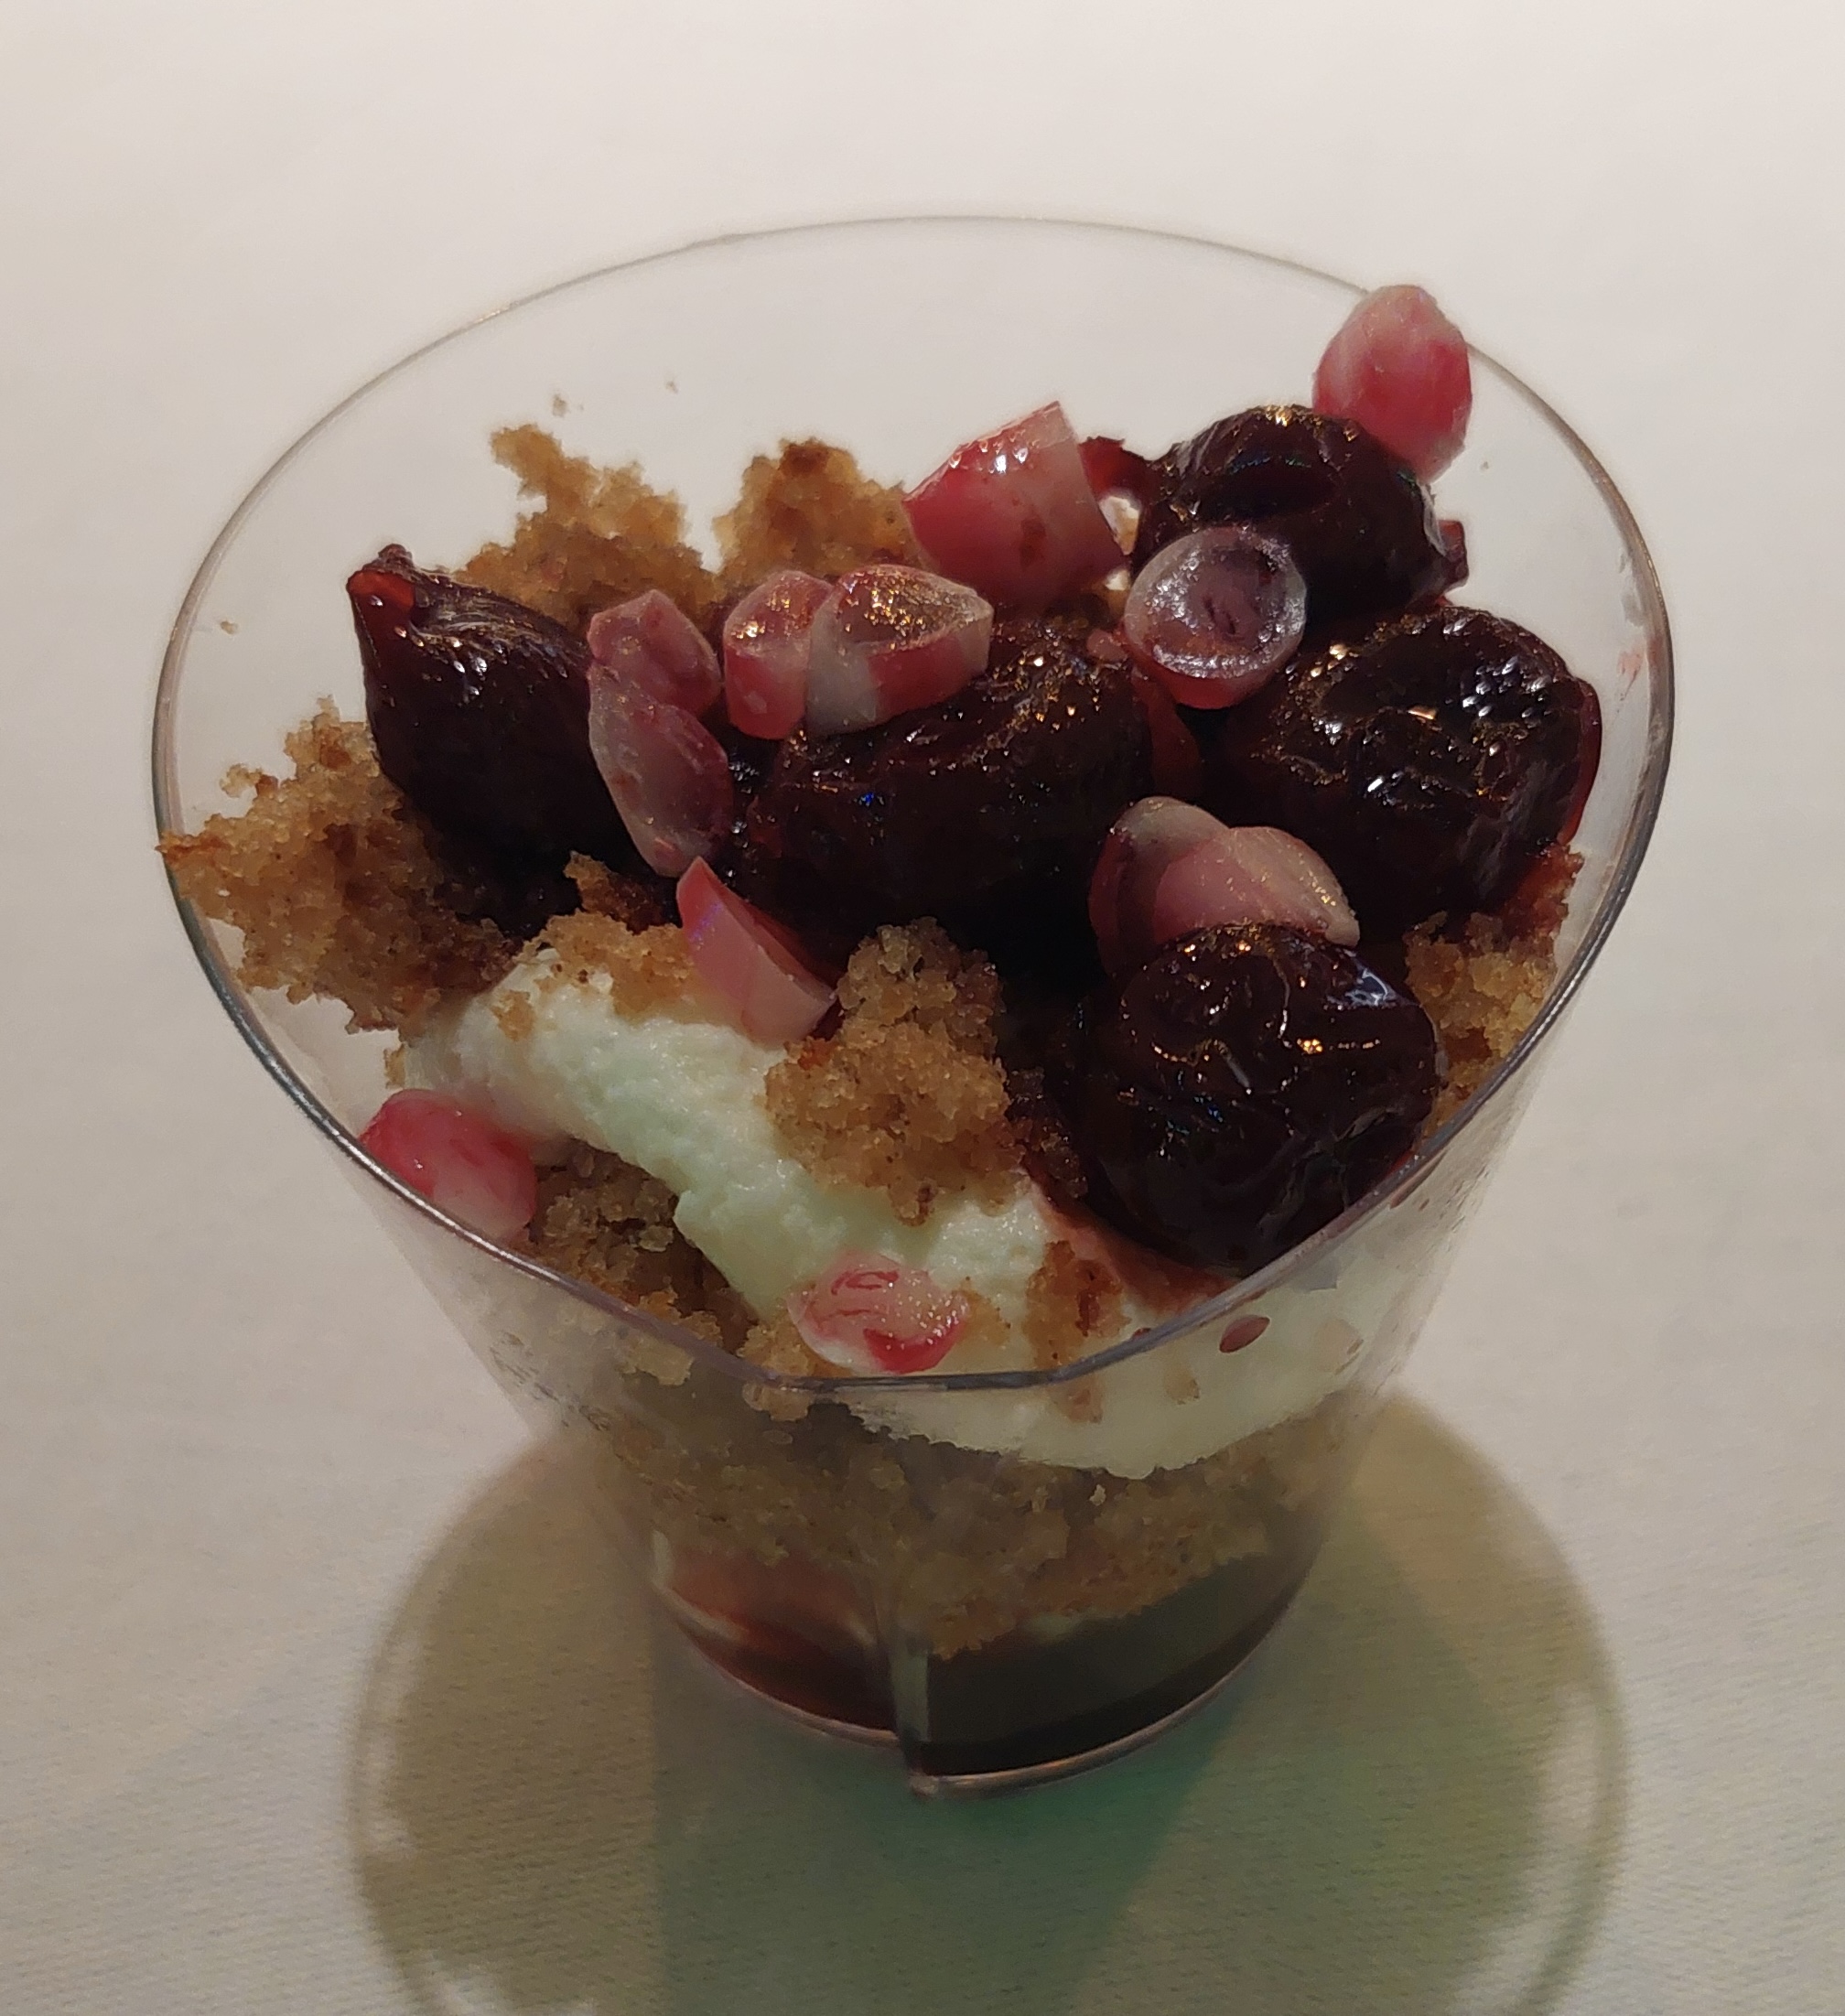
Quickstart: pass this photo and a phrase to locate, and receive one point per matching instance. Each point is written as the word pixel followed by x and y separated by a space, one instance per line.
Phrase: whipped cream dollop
pixel 683 1098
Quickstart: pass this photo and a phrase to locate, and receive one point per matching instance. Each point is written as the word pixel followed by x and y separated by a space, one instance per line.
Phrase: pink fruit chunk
pixel 650 643
pixel 665 771
pixel 1215 615
pixel 888 639
pixel 463 1164
pixel 1178 762
pixel 747 962
pixel 1013 515
pixel 1168 870
pixel 1399 367
pixel 867 1313
pixel 768 639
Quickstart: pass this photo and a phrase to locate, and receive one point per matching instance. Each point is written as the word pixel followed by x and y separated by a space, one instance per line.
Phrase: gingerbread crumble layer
pixel 605 1221
pixel 336 886
pixel 908 1095
pixel 1483 986
pixel 811 507
pixel 970 1545
pixel 599 535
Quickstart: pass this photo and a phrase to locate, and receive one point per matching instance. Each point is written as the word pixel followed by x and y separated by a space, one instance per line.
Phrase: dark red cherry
pixel 1241 1089
pixel 1355 520
pixel 980 811
pixel 1431 760
pixel 480 710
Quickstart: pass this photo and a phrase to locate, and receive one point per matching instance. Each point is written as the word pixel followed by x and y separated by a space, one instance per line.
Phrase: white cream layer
pixel 683 1100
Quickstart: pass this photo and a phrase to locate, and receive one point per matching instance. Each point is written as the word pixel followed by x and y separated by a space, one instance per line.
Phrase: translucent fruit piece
pixel 462 1163
pixel 1168 870
pixel 1013 515
pixel 667 772
pixel 1178 762
pixel 888 640
pixel 768 640
pixel 651 645
pixel 1216 614
pixel 748 962
pixel 869 1314
pixel 1400 369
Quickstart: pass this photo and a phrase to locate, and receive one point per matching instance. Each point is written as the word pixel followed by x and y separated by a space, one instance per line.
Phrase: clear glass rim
pixel 1403 1179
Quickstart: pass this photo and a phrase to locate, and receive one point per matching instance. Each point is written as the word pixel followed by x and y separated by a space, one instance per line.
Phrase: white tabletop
pixel 315 1694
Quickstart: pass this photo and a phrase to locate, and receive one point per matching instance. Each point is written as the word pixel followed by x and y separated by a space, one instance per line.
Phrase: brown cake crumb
pixel 1067 1301
pixel 650 972
pixel 1481 990
pixel 778 1346
pixel 811 507
pixel 908 1095
pixel 335 886
pixel 599 537
pixel 604 893
pixel 610 1224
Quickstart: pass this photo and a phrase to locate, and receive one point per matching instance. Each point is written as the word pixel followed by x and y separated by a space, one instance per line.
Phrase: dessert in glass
pixel 947 1026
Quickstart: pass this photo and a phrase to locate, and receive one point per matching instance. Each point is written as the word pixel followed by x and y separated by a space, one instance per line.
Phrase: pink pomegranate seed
pixel 1216 614
pixel 869 1314
pixel 463 1164
pixel 1168 869
pixel 1013 515
pixel 665 771
pixel 1178 762
pixel 1399 367
pixel 768 639
pixel 747 962
pixel 650 643
pixel 888 639
pixel 1111 466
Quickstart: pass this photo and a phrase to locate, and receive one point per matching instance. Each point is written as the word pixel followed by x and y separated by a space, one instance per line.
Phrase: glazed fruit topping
pixel 650 644
pixel 869 1314
pixel 1168 870
pixel 1241 1089
pixel 1353 517
pixel 1215 613
pixel 749 962
pixel 888 640
pixel 1431 760
pixel 668 775
pixel 768 637
pixel 479 711
pixel 461 1162
pixel 1013 515
pixel 1399 367
pixel 979 810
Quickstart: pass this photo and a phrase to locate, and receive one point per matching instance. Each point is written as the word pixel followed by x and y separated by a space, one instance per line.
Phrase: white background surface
pixel 1560 1722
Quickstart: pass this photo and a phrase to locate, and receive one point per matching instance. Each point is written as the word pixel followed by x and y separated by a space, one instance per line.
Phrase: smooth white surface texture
pixel 314 1693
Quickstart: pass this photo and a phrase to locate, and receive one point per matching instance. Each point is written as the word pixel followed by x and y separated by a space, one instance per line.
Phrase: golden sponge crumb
pixel 600 535
pixel 335 884
pixel 1483 986
pixel 604 893
pixel 650 972
pixel 811 507
pixel 908 1095
pixel 610 1224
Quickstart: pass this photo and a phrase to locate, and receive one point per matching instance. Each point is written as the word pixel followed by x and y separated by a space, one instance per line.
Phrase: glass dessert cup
pixel 1011 1575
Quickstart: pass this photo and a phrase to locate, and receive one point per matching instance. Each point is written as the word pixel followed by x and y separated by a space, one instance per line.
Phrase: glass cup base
pixel 951 1756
